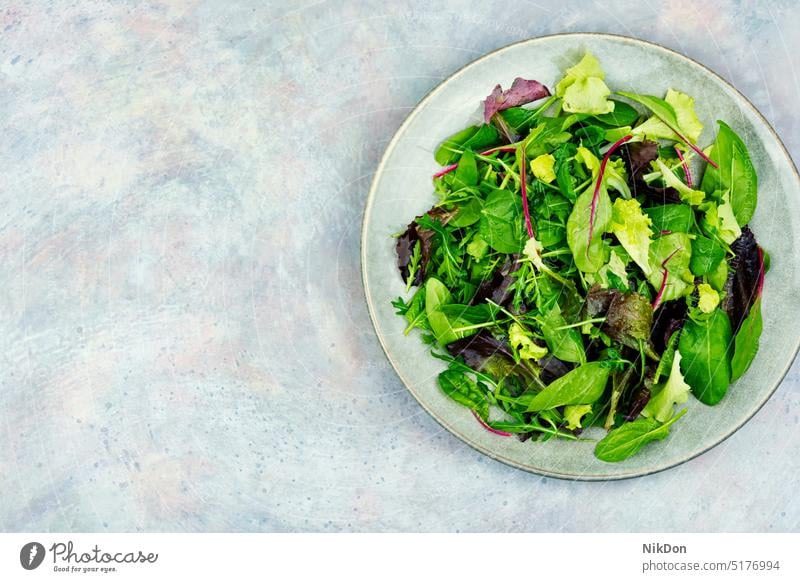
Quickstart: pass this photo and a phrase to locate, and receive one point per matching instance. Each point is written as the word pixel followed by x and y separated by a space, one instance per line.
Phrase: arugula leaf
pixel 583 385
pixel 746 342
pixel 632 228
pixel 706 359
pixel 674 391
pixel 582 89
pixel 627 440
pixel 458 386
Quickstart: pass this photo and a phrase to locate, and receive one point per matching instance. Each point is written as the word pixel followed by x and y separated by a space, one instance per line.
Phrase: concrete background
pixel 184 341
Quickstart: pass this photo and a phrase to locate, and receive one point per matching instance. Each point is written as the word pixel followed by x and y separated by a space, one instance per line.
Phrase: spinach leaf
pixel 671 217
pixel 467 170
pixel 458 386
pixel 746 342
pixel 623 114
pixel 448 151
pixel 736 172
pixel 583 385
pixel 444 327
pixel 467 213
pixel 705 351
pixel 628 439
pixel 706 255
pixel 671 252
pixel 501 224
pixel 588 253
pixel 564 344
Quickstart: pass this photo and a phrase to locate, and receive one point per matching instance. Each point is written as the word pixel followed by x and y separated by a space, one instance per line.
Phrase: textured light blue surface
pixel 184 341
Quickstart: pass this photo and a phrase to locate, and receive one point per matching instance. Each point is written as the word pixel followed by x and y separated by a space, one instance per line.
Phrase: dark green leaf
pixel 448 152
pixel 736 172
pixel 583 385
pixel 746 342
pixel 458 386
pixel 705 351
pixel 671 217
pixel 623 114
pixel 564 344
pixel 502 223
pixel 706 255
pixel 467 170
pixel 628 439
pixel 468 213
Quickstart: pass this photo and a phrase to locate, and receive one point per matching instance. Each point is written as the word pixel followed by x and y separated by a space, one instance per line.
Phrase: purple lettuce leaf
pixel 522 91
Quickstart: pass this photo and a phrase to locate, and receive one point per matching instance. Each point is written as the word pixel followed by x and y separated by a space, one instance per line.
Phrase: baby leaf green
pixel 705 347
pixel 746 342
pixel 628 439
pixel 583 385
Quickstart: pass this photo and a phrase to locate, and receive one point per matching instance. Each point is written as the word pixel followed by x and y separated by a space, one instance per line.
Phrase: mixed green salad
pixel 587 263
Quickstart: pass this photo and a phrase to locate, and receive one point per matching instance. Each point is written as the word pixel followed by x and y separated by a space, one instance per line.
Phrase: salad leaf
pixel 458 386
pixel 686 120
pixel 720 221
pixel 676 251
pixel 520 339
pixel 583 90
pixel 632 228
pixel 542 167
pixel 574 413
pixel 583 385
pixel 706 363
pixel 443 327
pixel 706 255
pixel 467 170
pixel 674 391
pixel 564 343
pixel 736 173
pixel 688 195
pixel 522 91
pixel 501 225
pixel 744 281
pixel 707 298
pixel 746 342
pixel 628 439
pixel 671 218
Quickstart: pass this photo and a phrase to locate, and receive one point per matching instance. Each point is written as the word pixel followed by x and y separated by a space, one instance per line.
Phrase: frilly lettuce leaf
pixel 574 413
pixel 583 90
pixel 674 391
pixel 521 340
pixel 688 122
pixel 542 167
pixel 688 195
pixel 719 219
pixel 708 298
pixel 632 228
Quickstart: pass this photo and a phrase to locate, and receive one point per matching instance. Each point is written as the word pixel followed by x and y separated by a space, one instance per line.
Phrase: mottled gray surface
pixel 184 341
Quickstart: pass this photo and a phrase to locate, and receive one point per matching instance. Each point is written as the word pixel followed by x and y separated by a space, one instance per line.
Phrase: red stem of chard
pixel 697 150
pixel 489 428
pixel 660 294
pixel 524 189
pixel 600 173
pixel 451 167
pixel 760 285
pixel 685 167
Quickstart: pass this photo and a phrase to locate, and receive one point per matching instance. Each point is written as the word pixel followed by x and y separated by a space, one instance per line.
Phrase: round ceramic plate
pixel 402 189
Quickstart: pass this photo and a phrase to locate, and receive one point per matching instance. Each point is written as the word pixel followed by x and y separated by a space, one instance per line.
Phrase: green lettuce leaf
pixel 520 339
pixel 674 391
pixel 632 228
pixel 583 90
pixel 688 195
pixel 687 120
